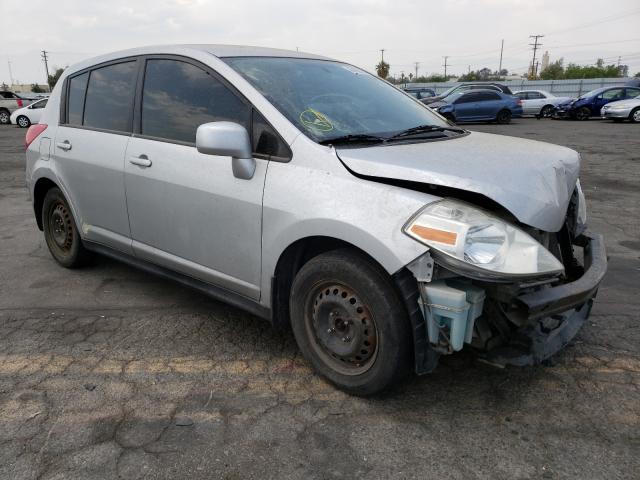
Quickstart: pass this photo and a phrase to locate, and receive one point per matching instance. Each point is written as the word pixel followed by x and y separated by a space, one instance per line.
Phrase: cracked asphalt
pixel 107 372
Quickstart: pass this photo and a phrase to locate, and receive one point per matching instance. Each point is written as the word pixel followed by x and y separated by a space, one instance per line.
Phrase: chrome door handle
pixel 66 145
pixel 141 161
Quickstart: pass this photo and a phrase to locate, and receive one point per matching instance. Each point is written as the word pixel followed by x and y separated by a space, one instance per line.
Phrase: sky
pixel 469 32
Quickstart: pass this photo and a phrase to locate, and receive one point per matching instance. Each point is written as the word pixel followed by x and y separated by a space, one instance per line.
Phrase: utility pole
pixel 382 54
pixel 501 49
pixel 536 46
pixel 418 63
pixel 46 64
pixel 10 72
pixel 446 57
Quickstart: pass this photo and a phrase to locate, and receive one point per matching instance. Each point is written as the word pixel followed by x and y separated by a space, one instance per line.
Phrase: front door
pixel 187 211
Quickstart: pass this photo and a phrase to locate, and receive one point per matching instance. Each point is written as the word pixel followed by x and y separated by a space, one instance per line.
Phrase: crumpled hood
pixel 533 180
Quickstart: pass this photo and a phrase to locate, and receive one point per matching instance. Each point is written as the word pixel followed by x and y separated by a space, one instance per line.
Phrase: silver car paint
pixel 620 108
pixel 312 195
pixel 533 180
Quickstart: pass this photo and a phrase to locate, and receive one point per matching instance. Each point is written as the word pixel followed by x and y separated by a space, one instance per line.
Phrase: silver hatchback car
pixel 313 194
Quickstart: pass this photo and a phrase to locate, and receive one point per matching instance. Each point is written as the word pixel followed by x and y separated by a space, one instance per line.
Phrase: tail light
pixel 33 133
pixel 19 100
pixel 519 102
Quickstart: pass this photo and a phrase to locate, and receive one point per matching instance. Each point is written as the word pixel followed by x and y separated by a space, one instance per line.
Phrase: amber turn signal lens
pixel 435 235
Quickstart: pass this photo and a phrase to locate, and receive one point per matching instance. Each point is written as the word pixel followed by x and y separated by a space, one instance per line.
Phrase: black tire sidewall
pixel 74 257
pixel 503 117
pixel 374 288
pixel 583 109
pixel 18 121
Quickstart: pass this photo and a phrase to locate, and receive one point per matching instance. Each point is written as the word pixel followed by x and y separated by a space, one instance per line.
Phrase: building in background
pixel 26 87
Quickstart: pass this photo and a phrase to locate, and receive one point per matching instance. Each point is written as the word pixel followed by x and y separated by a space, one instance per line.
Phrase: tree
pixel 35 88
pixel 53 79
pixel 382 69
pixel 599 70
pixel 554 71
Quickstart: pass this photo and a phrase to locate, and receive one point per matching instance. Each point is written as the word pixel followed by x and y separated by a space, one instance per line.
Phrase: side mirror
pixel 228 139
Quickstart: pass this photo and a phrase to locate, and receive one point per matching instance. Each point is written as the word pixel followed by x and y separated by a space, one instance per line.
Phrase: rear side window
pixel 178 97
pixel 484 96
pixel 77 89
pixel 109 103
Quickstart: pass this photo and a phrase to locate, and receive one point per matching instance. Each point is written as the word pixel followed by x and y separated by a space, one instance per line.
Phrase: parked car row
pixel 473 102
pixel 9 102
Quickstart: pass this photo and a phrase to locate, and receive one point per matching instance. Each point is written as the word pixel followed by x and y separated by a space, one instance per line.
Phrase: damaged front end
pixel 507 317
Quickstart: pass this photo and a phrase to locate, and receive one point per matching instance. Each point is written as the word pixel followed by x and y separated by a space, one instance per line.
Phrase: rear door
pixel 535 102
pixel 187 210
pixel 89 149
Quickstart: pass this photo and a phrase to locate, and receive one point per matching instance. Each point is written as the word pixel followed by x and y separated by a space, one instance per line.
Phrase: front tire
pixel 23 121
pixel 583 113
pixel 503 117
pixel 546 111
pixel 350 323
pixel 634 116
pixel 60 232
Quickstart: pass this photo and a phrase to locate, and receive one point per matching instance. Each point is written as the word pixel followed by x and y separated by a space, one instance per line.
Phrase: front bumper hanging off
pixel 553 315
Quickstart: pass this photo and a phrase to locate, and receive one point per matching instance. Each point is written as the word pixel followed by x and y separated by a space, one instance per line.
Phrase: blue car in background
pixel 590 104
pixel 479 106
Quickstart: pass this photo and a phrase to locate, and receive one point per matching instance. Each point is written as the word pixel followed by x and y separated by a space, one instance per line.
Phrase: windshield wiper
pixel 424 129
pixel 353 138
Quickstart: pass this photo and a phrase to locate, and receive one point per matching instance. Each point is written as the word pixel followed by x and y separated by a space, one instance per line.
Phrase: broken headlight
pixel 468 236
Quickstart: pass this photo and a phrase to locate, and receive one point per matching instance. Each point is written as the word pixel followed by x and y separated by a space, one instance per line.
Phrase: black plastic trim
pixel 213 291
pixel 574 294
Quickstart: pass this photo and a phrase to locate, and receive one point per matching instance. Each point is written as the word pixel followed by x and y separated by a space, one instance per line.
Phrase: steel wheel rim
pixel 23 122
pixel 61 228
pixel 341 328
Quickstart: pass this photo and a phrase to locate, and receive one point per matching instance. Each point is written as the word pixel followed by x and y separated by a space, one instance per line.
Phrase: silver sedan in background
pixel 622 110
pixel 539 102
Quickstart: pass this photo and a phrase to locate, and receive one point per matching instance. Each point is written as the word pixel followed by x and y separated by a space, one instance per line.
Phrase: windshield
pixel 452 97
pixel 327 99
pixel 591 93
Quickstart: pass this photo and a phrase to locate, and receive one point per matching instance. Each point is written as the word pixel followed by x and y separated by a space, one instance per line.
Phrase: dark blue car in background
pixel 589 104
pixel 479 106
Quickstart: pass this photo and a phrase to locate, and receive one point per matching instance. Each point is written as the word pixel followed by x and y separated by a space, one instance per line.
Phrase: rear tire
pixel 5 117
pixel 350 323
pixel 582 114
pixel 634 116
pixel 23 122
pixel 503 117
pixel 60 231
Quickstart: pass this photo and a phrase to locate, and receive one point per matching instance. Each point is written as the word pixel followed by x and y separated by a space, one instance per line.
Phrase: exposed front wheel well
pixel 290 262
pixel 43 185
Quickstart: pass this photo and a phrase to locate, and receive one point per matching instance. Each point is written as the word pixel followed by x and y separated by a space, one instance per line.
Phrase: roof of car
pixel 221 51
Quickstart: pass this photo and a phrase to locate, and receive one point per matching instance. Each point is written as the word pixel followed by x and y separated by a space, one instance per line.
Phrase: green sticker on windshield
pixel 313 119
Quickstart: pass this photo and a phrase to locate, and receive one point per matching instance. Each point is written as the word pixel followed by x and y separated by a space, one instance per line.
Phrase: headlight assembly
pixel 475 240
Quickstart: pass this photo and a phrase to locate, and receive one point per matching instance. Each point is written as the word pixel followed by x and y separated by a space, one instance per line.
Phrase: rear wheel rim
pixel 60 229
pixel 4 117
pixel 341 328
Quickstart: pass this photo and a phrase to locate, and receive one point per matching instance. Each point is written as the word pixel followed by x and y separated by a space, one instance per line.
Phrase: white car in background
pixel 25 116
pixel 539 102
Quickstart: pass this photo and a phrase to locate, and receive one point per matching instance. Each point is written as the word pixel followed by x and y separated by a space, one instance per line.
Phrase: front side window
pixel 327 99
pixel 178 97
pixel 39 104
pixel 109 100
pixel 75 102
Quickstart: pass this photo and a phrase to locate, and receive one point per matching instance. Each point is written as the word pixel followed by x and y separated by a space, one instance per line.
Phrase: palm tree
pixel 383 69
